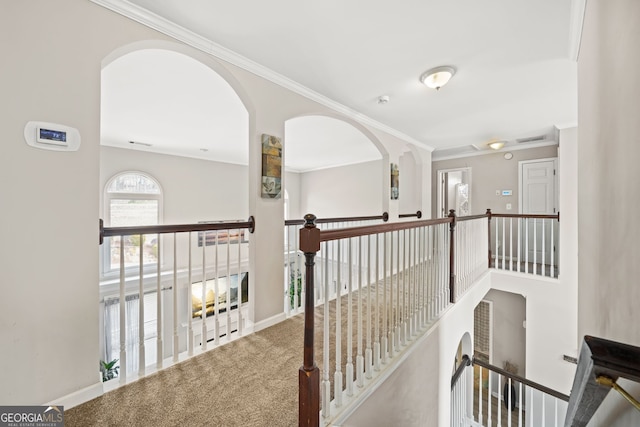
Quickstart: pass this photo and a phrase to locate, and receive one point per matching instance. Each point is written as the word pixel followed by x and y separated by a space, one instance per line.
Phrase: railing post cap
pixel 310 220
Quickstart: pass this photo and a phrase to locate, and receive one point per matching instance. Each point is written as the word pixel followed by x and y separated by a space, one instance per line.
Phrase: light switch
pixel 508 206
pixel 498 192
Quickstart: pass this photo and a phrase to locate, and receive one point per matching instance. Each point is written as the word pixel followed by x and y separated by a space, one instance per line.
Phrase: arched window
pixel 131 199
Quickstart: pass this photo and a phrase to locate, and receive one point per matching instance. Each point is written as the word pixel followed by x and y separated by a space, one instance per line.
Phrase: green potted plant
pixel 109 369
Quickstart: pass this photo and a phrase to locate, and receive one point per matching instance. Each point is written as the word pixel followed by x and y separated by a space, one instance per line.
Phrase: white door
pixel 538 196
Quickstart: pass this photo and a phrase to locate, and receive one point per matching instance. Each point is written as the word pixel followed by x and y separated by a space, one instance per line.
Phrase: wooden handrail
pixel 384 217
pixel 250 225
pixel 365 230
pixel 418 215
pixel 465 362
pixel 522 380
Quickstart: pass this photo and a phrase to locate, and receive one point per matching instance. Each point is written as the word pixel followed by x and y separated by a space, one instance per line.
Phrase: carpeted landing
pixel 242 383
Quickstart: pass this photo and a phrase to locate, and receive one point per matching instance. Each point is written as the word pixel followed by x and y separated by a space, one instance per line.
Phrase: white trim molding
pixel 164 26
pixel 578 8
pixel 81 396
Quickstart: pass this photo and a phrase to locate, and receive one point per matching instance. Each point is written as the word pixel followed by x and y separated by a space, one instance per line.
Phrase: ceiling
pixel 516 70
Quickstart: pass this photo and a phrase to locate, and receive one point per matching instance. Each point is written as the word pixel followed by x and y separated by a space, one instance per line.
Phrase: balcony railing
pixel 391 282
pixel 382 285
pixel 495 397
pixel 198 280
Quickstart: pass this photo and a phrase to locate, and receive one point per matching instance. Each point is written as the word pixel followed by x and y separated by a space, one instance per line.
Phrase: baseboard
pixel 78 397
pixel 274 320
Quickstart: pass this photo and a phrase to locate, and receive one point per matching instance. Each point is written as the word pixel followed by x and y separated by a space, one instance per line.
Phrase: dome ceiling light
pixel 496 144
pixel 437 77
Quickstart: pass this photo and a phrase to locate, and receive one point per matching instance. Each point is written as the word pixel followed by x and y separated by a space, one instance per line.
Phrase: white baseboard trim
pixel 78 397
pixel 273 320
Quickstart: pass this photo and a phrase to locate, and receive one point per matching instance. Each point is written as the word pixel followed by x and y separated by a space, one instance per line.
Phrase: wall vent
pixel 531 139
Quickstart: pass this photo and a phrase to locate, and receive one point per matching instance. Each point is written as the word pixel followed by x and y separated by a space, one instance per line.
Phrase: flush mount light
pixel 496 144
pixel 383 99
pixel 437 77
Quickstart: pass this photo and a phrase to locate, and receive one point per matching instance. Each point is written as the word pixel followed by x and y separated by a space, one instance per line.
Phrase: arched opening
pixel 328 161
pixel 176 119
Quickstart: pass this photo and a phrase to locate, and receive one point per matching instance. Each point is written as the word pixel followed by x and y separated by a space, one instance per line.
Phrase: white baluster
pixel 122 311
pixel 509 403
pixel 141 356
pixel 385 277
pixel 526 244
pixel 535 247
pixel 228 290
pixel 499 403
pixel 189 303
pixel 239 276
pixel 519 404
pixel 368 360
pixel 376 342
pixel 359 354
pixel 510 244
pixel 480 404
pixel 552 272
pixel 337 382
pixel 544 253
pixel 349 370
pixel 203 293
pixel 326 386
pixel 176 343
pixel 216 290
pixel 160 350
pixel 519 230
pixel 489 400
pixel 544 418
pixel 504 249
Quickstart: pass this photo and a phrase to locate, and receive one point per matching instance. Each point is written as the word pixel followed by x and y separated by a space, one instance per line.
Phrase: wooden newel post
pixel 489 235
pixel 309 374
pixel 452 254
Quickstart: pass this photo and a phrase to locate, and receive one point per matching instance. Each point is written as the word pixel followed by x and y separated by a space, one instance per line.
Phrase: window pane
pixel 128 212
pixel 133 183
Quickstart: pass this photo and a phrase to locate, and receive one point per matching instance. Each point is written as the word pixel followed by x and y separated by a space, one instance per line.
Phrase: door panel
pixel 538 188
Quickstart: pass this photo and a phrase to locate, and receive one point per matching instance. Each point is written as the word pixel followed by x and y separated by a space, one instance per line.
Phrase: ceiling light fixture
pixel 437 77
pixel 383 99
pixel 496 145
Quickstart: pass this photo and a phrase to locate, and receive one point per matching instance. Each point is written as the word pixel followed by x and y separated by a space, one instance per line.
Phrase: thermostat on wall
pixel 51 136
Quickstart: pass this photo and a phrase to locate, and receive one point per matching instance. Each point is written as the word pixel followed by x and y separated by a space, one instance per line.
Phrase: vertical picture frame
pixel 271 167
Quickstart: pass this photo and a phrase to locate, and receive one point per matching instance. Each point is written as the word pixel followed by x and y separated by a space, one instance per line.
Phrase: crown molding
pixel 578 8
pixel 164 26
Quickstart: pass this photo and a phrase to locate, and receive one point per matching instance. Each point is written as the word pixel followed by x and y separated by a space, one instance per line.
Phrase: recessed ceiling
pixel 515 77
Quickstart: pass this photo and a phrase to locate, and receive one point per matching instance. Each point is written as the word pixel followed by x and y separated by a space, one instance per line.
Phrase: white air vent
pixel 531 139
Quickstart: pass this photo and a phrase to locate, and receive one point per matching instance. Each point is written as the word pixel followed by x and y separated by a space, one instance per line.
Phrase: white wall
pixel 193 190
pixel 355 190
pixel 509 334
pixel 608 151
pixel 491 172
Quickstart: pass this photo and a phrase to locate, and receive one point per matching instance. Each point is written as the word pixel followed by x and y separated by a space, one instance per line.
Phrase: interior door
pixel 538 196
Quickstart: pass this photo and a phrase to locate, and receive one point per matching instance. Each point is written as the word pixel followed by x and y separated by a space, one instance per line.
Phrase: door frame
pixel 439 194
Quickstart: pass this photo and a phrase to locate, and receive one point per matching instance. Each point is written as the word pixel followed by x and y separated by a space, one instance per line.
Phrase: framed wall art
pixel 271 167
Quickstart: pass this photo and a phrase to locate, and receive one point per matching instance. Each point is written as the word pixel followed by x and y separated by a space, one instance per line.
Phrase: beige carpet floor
pixel 251 381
